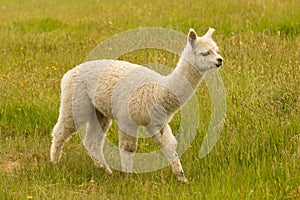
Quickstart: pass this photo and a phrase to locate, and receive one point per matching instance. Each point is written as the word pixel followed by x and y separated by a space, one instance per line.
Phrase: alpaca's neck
pixel 184 79
pixel 188 72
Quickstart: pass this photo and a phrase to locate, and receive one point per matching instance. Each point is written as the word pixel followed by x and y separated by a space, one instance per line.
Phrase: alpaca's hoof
pixel 55 160
pixel 100 165
pixel 183 180
pixel 108 171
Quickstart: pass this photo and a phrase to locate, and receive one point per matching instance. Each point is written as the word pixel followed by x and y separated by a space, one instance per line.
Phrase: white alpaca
pixel 96 92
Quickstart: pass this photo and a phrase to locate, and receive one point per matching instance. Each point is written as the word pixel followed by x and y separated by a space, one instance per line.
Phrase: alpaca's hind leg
pixel 62 131
pixel 127 146
pixel 168 143
pixel 94 138
pixel 65 126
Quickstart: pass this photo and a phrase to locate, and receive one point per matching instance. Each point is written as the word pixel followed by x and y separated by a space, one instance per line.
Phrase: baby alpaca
pixel 96 92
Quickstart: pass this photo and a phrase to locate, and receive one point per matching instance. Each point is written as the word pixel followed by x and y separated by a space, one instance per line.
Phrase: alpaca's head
pixel 202 52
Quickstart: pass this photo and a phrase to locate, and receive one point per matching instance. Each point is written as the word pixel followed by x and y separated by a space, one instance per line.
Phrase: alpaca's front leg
pixel 168 143
pixel 127 146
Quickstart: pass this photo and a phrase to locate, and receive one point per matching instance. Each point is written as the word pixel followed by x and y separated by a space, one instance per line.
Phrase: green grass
pixel 258 153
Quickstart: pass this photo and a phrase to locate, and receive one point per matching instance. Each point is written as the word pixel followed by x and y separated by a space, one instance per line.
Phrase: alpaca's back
pixel 106 85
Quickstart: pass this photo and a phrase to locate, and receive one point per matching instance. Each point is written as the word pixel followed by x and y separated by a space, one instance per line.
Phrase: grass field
pixel 258 153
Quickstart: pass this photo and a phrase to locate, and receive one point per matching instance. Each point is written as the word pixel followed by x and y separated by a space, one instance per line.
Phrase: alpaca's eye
pixel 205 53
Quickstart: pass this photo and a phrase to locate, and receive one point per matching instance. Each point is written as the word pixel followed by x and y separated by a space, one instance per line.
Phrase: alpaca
pixel 97 92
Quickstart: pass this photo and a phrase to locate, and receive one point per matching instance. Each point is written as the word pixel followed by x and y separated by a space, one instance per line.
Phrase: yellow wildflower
pixel 29 197
pixel 54 68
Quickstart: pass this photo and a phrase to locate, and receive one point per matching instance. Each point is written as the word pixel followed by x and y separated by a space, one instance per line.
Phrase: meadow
pixel 258 153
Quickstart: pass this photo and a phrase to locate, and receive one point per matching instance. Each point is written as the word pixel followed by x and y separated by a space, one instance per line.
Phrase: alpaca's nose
pixel 220 62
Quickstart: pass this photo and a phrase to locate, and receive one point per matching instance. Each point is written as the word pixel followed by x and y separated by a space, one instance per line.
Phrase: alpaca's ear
pixel 192 37
pixel 209 33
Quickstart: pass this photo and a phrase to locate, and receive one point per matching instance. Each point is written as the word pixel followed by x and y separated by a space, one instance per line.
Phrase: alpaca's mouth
pixel 218 65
